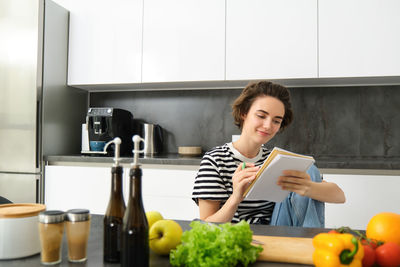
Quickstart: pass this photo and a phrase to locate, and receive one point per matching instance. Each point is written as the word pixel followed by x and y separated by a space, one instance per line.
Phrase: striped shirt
pixel 214 182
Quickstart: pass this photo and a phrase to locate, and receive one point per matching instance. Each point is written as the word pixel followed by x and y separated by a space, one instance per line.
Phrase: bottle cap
pixel 117 142
pixel 136 143
pixel 51 216
pixel 77 215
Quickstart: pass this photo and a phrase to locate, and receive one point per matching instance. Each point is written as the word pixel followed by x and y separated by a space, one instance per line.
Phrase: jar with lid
pixel 78 230
pixel 51 230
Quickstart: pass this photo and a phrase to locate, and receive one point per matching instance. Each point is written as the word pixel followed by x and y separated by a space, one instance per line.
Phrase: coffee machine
pixel 103 125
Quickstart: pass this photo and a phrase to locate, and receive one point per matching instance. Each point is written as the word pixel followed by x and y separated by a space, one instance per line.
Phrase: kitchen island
pixel 95 246
pixel 168 182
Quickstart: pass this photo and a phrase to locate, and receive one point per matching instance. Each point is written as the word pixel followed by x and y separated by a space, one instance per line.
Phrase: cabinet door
pixel 105 41
pixel 359 38
pixel 18 188
pixel 164 189
pixel 268 39
pixel 183 40
pixel 169 191
pixel 366 195
pixel 71 187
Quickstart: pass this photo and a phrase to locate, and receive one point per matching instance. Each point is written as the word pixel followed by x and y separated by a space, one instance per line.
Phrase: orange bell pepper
pixel 337 250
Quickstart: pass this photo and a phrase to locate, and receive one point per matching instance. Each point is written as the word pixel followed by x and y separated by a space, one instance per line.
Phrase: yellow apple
pixel 164 235
pixel 152 217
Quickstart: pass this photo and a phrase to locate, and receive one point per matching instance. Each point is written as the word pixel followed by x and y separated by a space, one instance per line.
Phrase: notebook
pixel 264 186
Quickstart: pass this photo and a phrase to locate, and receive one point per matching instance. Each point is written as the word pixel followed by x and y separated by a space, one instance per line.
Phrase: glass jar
pixel 51 230
pixel 78 230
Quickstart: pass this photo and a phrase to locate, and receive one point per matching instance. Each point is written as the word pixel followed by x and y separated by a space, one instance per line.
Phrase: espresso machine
pixel 103 125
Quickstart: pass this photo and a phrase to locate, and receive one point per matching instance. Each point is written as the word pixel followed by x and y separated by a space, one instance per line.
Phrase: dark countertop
pixel 386 163
pixel 165 159
pixel 95 246
pixel 324 162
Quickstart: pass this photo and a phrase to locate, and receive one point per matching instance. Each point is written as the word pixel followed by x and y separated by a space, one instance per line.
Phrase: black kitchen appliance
pixel 104 124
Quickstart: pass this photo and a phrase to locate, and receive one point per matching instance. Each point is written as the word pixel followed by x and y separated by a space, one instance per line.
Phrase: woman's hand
pixel 241 179
pixel 295 181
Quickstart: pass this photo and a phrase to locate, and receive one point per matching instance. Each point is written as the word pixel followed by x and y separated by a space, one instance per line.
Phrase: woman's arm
pixel 211 210
pixel 300 183
pixel 326 192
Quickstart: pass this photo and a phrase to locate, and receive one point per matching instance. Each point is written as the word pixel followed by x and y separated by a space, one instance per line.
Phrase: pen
pixel 244 165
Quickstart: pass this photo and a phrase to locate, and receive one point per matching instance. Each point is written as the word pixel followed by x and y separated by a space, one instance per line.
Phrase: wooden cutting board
pixel 286 249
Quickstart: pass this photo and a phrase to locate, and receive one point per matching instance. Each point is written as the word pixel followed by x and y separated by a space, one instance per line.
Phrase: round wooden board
pixel 189 150
pixel 20 210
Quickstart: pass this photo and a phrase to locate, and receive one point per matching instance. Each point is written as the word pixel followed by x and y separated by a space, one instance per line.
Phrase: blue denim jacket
pixel 300 211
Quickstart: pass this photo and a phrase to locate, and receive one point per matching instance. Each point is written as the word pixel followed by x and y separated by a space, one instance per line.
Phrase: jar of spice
pixel 51 230
pixel 78 230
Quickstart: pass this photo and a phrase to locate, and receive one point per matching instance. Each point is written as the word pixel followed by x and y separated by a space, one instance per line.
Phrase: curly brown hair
pixel 253 90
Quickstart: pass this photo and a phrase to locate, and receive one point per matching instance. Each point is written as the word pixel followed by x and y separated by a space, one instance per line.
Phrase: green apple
pixel 164 235
pixel 152 217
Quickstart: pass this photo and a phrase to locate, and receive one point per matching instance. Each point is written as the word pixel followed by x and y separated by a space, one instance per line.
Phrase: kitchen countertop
pixel 164 159
pixel 95 246
pixel 372 165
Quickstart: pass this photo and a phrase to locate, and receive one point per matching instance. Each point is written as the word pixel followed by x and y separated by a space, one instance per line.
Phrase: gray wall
pixel 63 106
pixel 329 122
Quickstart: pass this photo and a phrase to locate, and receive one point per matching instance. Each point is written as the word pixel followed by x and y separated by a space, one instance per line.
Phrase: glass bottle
pixel 135 228
pixel 114 213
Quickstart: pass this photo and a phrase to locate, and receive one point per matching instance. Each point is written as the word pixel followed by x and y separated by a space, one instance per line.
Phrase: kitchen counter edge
pixel 331 166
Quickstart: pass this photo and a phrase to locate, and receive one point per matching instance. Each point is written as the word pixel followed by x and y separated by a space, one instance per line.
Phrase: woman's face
pixel 263 120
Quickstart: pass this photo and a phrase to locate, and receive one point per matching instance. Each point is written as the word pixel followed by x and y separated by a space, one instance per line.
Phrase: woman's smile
pixel 263 133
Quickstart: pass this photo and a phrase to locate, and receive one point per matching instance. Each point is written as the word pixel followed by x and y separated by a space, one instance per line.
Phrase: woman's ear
pixel 243 118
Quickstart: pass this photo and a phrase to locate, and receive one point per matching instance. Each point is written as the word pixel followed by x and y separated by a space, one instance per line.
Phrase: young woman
pixel 261 111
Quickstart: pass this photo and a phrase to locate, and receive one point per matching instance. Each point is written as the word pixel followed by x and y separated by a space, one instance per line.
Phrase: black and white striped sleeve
pixel 208 183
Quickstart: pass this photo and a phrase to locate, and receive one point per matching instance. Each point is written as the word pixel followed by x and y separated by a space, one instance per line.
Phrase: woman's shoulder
pixel 218 150
pixel 218 153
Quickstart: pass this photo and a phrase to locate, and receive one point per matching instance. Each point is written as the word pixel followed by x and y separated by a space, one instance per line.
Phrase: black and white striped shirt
pixel 214 182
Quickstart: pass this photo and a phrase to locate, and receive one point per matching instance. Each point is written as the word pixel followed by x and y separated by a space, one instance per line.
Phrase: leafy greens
pixel 211 245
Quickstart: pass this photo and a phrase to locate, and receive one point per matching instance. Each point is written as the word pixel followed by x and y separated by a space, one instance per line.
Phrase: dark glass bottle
pixel 113 218
pixel 135 228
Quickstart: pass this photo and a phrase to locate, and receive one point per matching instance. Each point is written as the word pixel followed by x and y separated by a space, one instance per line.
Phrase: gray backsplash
pixel 329 122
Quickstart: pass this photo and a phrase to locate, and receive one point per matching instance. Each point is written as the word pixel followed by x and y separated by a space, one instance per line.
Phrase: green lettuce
pixel 215 245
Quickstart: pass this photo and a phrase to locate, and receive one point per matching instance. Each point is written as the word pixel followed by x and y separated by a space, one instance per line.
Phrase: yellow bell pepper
pixel 337 250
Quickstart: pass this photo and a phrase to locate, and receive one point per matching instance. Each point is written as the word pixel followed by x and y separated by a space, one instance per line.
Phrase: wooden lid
pixel 189 150
pixel 20 210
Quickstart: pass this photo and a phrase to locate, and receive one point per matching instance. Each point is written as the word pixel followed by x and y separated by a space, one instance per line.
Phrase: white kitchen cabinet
pixel 268 39
pixel 183 40
pixel 105 41
pixel 165 190
pixel 169 192
pixel 359 38
pixel 69 187
pixel 366 195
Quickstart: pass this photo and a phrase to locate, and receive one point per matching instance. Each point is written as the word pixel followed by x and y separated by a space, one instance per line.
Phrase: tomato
pixel 388 255
pixel 372 243
pixel 369 256
pixel 333 231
